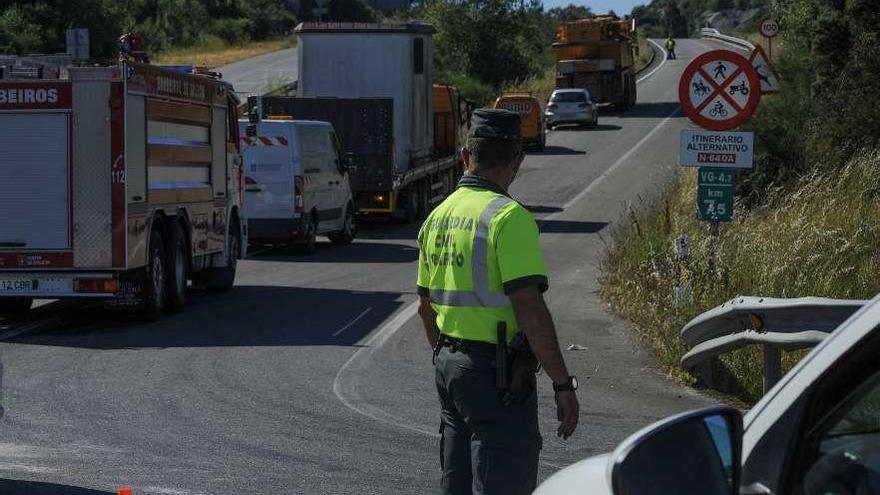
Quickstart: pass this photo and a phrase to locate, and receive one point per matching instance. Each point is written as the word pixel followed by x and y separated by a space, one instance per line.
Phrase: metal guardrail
pixel 715 34
pixel 776 324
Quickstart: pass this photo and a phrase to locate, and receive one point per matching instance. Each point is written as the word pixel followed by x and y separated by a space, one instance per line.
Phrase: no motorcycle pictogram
pixel 719 90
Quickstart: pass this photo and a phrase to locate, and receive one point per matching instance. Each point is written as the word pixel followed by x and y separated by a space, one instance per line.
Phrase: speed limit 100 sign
pixel 769 27
pixel 719 90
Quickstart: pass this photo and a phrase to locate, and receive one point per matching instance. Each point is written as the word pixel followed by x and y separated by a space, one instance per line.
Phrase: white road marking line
pixel 662 62
pixel 352 322
pixel 604 175
pixel 345 390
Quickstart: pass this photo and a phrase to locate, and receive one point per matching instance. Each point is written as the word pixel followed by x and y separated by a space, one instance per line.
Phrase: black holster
pixel 523 365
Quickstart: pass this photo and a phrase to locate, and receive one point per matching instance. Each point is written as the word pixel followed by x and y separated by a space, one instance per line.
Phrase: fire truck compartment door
pixel 34 181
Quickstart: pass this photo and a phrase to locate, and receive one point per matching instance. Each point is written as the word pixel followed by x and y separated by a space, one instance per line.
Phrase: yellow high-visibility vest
pixel 475 248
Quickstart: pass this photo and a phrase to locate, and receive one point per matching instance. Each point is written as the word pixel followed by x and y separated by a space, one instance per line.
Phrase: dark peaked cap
pixel 495 123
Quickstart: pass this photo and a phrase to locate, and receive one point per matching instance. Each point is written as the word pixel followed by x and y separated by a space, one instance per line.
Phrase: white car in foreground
pixel 817 432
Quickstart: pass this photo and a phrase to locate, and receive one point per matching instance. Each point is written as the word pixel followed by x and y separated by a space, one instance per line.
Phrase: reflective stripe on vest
pixel 481 296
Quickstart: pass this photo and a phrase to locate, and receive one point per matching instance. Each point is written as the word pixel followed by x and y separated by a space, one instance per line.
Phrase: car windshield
pixel 568 97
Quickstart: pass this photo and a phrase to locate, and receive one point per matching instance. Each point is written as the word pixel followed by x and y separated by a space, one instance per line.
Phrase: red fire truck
pixel 122 183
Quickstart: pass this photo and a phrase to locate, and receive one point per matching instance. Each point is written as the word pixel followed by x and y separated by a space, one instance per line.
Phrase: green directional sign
pixel 715 193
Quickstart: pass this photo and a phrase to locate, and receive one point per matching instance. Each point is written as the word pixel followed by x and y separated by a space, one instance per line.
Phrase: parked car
pixel 296 183
pixel 534 131
pixel 816 432
pixel 571 106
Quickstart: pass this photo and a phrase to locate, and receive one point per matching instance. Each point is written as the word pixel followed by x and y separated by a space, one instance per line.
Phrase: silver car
pixel 571 106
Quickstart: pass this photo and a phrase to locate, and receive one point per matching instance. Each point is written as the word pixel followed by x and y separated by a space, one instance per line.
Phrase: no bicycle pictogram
pixel 719 90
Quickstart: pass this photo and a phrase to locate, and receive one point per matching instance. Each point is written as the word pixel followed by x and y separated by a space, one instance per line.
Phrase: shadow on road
pixel 598 127
pixel 570 227
pixel 39 488
pixel 358 252
pixel 647 111
pixel 558 151
pixel 540 209
pixel 245 316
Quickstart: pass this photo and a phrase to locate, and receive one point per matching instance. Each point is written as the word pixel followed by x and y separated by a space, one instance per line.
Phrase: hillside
pixel 680 18
pixel 806 219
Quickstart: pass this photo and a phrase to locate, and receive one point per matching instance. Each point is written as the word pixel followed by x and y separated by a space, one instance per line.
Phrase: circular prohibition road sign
pixel 719 90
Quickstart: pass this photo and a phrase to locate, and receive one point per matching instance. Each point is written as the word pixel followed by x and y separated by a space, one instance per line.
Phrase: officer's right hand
pixel 567 409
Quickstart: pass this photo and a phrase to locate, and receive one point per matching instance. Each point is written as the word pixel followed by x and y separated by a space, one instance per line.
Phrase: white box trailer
pixel 119 183
pixel 349 73
pixel 347 60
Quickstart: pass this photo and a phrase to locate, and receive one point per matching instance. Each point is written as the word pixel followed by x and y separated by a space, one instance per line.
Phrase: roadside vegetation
pixel 214 52
pixel 807 217
pixel 170 28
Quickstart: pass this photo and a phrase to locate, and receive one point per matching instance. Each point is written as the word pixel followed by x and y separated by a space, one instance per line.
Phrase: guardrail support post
pixel 772 366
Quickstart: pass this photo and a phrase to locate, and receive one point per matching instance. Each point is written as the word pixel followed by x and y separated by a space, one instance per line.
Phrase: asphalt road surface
pixel 257 75
pixel 313 376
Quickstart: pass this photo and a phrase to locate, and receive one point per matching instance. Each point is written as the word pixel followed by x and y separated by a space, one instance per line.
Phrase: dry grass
pixel 213 52
pixel 646 54
pixel 817 239
pixel 541 87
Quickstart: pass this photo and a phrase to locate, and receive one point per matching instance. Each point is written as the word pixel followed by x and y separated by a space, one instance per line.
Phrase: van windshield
pixel 569 97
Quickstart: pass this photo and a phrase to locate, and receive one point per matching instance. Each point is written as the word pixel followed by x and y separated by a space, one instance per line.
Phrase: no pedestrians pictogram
pixel 719 90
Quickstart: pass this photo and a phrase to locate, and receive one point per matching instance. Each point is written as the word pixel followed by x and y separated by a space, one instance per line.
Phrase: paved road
pixel 259 74
pixel 313 377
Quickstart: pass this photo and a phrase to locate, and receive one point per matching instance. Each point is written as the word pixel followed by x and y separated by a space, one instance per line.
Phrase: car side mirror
pixel 697 452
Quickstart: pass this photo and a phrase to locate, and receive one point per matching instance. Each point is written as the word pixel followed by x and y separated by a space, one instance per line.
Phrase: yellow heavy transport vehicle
pixel 598 54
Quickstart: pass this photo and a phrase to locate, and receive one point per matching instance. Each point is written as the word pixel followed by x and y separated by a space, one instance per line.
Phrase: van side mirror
pixel 349 163
pixel 695 452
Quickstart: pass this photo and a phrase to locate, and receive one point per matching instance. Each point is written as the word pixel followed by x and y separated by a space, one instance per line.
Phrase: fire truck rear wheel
pixel 15 306
pixel 176 269
pixel 154 283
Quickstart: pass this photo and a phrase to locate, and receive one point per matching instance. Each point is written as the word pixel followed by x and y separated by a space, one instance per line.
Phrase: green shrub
pixel 469 87
pixel 233 31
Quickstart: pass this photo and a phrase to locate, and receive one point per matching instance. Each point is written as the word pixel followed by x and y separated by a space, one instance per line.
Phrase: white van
pixel 296 183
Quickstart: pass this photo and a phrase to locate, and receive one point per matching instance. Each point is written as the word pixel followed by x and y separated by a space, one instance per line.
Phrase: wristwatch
pixel 570 385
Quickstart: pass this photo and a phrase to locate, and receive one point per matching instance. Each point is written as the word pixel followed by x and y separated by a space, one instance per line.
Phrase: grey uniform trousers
pixel 486 448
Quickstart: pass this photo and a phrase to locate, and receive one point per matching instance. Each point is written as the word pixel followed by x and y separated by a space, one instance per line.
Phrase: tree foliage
pixel 39 26
pixel 828 108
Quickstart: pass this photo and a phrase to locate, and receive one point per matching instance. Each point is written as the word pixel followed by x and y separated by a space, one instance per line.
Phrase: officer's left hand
pixel 567 410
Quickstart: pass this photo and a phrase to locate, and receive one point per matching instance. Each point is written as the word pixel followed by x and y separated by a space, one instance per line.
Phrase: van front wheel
pixel 349 229
pixel 310 239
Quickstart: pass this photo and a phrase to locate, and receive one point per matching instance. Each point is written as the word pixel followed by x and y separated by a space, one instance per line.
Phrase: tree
pixel 674 23
pixel 570 12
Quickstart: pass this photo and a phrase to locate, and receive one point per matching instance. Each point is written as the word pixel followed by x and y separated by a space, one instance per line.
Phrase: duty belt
pixel 456 344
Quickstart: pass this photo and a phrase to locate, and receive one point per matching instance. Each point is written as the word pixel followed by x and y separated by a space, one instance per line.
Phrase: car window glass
pixel 568 97
pixel 848 456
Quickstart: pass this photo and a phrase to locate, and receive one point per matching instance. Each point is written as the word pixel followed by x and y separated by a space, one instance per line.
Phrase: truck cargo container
pixel 118 183
pixel 598 54
pixel 385 70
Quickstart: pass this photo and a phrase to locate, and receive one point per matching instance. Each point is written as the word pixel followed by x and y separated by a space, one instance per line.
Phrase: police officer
pixel 670 48
pixel 480 264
